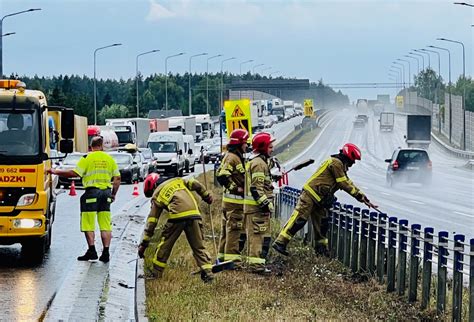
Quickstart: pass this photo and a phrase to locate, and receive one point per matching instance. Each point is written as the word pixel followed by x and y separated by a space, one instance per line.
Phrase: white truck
pixel 386 120
pixel 289 109
pixel 362 108
pixel 168 149
pixel 184 124
pixel 206 125
pixel 131 130
pixel 298 108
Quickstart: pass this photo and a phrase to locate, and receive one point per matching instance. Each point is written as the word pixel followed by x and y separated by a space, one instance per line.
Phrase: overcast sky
pixel 338 41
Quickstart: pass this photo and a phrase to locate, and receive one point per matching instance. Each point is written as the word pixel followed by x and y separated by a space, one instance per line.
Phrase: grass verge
pixel 292 147
pixel 303 286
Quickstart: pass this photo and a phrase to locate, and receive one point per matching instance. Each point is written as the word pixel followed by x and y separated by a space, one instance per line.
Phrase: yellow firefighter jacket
pixel 330 177
pixel 175 196
pixel 259 185
pixel 232 176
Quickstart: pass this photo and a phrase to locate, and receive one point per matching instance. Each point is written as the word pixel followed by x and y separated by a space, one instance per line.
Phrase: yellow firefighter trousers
pixel 171 232
pixel 305 209
pixel 259 239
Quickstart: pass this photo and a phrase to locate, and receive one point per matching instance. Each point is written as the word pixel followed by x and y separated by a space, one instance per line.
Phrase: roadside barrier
pixel 398 254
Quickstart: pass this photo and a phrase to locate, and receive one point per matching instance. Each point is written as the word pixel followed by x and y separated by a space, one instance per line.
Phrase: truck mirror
pixel 190 151
pixel 180 152
pixel 388 160
pixel 66 146
pixel 67 124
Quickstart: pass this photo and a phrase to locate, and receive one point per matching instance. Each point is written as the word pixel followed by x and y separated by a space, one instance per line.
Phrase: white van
pixel 168 149
pixel 190 153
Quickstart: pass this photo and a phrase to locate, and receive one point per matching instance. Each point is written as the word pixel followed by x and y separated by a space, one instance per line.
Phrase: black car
pixel 69 163
pixel 129 169
pixel 213 154
pixel 409 165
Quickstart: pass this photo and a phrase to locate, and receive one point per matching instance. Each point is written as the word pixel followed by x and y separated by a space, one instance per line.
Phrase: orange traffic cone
pixel 72 190
pixel 135 189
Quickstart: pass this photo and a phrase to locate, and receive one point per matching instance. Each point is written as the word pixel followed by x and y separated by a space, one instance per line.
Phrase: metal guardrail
pixel 395 252
pixel 457 152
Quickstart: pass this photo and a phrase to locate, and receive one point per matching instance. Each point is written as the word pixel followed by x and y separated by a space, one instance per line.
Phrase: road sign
pixel 308 107
pixel 399 100
pixel 238 115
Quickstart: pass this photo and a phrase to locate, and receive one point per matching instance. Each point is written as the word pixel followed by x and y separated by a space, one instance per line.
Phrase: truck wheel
pixel 187 167
pixel 181 172
pixel 34 250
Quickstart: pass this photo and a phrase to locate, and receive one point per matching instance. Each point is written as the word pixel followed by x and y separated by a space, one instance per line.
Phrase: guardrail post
pixel 457 276
pixel 355 239
pixel 414 263
pixel 341 234
pixel 427 257
pixel 442 271
pixel 471 281
pixel 334 229
pixel 391 257
pixel 402 255
pixel 347 241
pixel 372 242
pixel 364 231
pixel 381 247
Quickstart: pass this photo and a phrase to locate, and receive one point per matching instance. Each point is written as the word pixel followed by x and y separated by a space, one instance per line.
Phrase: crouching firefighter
pixel 175 196
pixel 259 202
pixel 318 196
pixel 231 175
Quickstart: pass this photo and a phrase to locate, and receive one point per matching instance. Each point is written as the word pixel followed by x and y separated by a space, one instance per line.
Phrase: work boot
pixel 322 250
pixel 89 255
pixel 206 277
pixel 105 257
pixel 280 248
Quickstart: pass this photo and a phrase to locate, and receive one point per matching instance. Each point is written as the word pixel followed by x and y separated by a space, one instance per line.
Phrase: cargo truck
pixel 107 133
pixel 386 120
pixel 418 131
pixel 206 125
pixel 131 131
pixel 27 193
pixel 159 125
pixel 184 124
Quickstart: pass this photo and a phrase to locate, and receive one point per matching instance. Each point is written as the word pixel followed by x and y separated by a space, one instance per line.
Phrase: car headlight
pixel 174 159
pixel 27 223
pixel 26 200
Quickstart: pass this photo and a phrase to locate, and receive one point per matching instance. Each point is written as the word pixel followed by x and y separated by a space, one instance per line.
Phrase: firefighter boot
pixel 280 248
pixel 207 277
pixel 321 248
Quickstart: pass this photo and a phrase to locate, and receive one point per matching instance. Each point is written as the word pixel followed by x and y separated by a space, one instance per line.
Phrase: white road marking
pixel 463 214
pixel 385 193
pixel 365 188
pixel 417 202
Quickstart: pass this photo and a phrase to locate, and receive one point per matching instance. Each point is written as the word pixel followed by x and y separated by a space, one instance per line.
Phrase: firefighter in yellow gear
pixel 175 196
pixel 259 202
pixel 231 175
pixel 318 196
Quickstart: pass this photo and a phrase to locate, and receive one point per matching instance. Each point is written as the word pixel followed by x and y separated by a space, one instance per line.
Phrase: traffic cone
pixel 135 189
pixel 72 190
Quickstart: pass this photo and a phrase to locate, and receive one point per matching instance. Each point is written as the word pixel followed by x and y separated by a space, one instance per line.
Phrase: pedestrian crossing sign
pixel 308 107
pixel 238 115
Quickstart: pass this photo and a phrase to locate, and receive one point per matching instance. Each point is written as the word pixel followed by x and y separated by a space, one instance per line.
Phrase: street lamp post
pixel 417 62
pixel 439 58
pixel 464 86
pixel 1 33
pixel 422 58
pixel 266 68
pixel 255 66
pixel 166 78
pixel 243 63
pixel 207 81
pixel 464 4
pixel 8 34
pixel 398 70
pixel 136 73
pixel 450 100
pixel 275 72
pixel 403 71
pixel 189 89
pixel 409 70
pixel 428 55
pixel 95 80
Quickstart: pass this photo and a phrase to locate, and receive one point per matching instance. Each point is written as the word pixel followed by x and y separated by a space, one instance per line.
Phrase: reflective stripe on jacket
pixel 258 180
pixel 233 168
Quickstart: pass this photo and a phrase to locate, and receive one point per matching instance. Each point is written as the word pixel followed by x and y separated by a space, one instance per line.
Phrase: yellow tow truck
pixel 27 194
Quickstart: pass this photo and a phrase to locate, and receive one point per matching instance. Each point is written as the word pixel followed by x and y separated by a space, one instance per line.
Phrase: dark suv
pixel 409 165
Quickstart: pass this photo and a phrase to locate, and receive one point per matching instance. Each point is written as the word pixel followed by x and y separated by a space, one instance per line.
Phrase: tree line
pixel 117 98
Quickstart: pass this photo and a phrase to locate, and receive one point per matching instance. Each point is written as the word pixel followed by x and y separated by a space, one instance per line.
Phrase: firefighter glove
pixel 208 199
pixel 141 250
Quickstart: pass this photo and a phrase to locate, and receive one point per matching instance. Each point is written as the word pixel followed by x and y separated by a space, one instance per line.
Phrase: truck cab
pixel 27 193
pixel 168 149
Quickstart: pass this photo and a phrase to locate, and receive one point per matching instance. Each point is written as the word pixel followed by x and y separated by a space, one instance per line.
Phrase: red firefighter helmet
pixel 351 151
pixel 238 137
pixel 150 184
pixel 261 142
